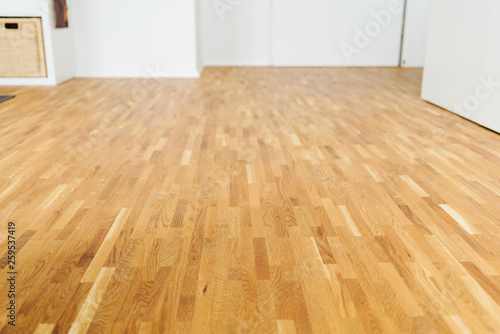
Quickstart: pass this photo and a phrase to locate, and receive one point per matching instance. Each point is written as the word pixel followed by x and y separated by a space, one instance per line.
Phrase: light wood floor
pixel 253 200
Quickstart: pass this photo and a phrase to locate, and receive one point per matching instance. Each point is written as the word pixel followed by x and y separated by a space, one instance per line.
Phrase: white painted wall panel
pixel 127 38
pixel 336 32
pixel 236 32
pixel 462 64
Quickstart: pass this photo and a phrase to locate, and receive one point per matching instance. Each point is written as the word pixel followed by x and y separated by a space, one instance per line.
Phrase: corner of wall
pixel 198 30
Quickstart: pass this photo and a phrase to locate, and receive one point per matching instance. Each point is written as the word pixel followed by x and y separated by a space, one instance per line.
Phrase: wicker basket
pixel 21 47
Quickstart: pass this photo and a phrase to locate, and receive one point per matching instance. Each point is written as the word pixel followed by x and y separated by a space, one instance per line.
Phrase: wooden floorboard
pixel 252 200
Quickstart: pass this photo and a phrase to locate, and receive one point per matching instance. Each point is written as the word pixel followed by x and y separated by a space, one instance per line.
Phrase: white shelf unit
pixel 58 43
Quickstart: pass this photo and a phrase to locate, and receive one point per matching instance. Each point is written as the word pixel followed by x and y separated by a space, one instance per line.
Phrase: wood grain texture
pixel 252 200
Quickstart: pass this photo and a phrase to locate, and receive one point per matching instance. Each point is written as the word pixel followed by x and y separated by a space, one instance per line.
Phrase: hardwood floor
pixel 253 200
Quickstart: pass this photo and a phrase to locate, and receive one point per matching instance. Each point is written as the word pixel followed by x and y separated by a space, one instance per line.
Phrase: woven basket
pixel 21 47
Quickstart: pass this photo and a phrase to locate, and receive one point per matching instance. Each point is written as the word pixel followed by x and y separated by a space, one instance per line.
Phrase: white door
pixel 336 32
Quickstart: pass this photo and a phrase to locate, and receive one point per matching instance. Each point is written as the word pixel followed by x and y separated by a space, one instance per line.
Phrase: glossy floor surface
pixel 252 200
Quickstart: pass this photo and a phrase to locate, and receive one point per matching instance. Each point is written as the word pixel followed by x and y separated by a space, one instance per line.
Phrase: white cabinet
pixel 57 43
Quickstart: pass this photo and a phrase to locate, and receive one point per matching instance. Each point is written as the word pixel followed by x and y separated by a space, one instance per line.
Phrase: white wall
pixel 128 38
pixel 63 48
pixel 462 65
pixel 336 32
pixel 236 32
pixel 298 32
pixel 175 38
pixel 415 33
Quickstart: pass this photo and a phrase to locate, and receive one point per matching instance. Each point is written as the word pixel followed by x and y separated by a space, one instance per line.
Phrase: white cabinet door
pixel 336 32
